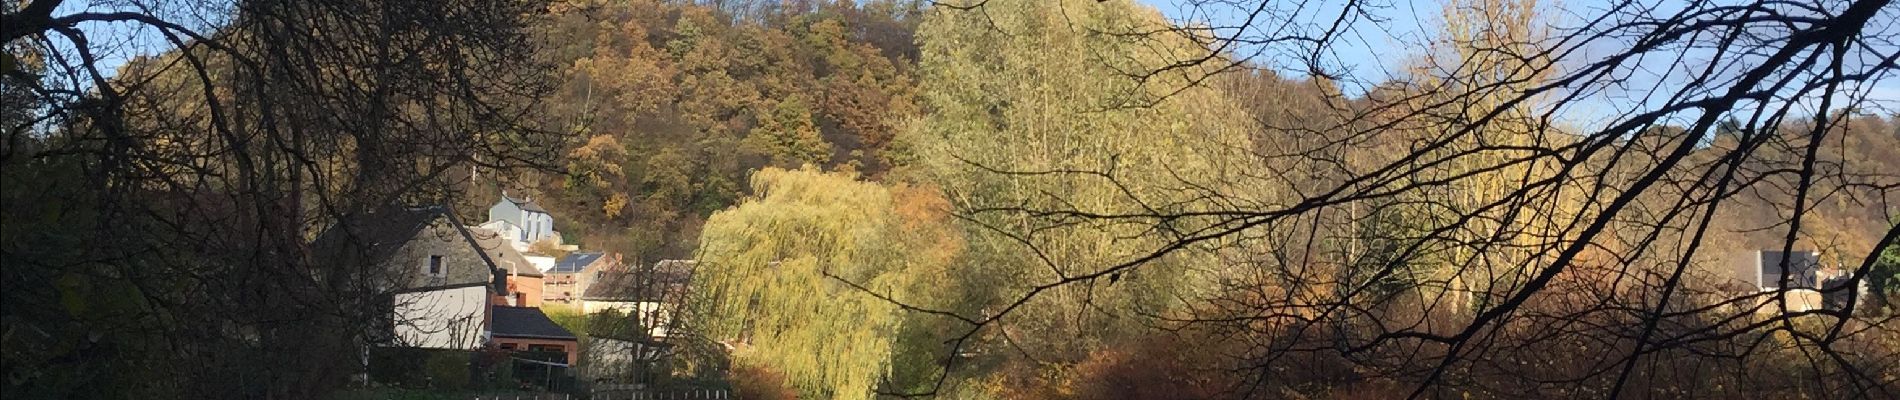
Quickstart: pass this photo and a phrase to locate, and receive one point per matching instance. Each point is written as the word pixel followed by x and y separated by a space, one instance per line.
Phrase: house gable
pixel 534 224
pixel 463 263
pixel 437 276
pixel 1800 268
pixel 415 247
pixel 1763 270
pixel 505 210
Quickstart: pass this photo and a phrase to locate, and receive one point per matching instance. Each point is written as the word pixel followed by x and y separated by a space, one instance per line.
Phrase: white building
pixel 1765 270
pixel 646 299
pixel 442 318
pixel 521 221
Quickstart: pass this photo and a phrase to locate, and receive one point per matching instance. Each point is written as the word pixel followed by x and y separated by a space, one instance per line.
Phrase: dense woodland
pixel 672 105
pixel 1066 199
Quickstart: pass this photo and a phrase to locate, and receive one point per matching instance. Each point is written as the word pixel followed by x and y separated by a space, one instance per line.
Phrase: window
pixel 435 265
pixel 507 346
pixel 546 347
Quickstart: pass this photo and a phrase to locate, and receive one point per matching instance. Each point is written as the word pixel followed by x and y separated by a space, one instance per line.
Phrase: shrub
pixel 420 368
pixel 759 383
pixel 447 369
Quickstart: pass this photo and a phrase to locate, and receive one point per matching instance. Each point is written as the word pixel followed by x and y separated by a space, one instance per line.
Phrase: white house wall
pixel 507 231
pixel 540 226
pixel 442 319
pixel 542 263
pixel 505 211
pixel 608 358
pixel 656 311
pixel 528 226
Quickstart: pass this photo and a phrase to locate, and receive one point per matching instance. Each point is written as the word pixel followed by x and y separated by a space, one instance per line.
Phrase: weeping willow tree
pixel 796 271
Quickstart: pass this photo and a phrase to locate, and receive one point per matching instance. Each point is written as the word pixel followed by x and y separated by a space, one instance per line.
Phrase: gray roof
pixel 575 262
pixel 502 253
pixel 373 237
pixel 376 235
pixel 525 204
pixel 641 284
pixel 527 322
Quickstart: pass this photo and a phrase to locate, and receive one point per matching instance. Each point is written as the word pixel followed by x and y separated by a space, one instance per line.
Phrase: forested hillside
pixel 673 104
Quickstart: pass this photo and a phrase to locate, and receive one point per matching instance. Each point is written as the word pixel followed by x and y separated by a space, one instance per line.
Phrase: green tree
pixel 1885 277
pixel 797 263
pixel 788 136
pixel 1027 95
pixel 681 85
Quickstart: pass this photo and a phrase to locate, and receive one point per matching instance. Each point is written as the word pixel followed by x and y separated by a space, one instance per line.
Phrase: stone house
pixel 437 278
pixel 523 280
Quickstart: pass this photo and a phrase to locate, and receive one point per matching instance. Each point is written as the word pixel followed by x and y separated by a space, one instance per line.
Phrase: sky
pixel 1372 51
pixel 114 43
pixel 1398 31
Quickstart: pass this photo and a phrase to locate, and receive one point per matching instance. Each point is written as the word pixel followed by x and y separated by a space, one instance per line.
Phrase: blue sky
pixel 1374 51
pixel 1370 50
pixel 1369 53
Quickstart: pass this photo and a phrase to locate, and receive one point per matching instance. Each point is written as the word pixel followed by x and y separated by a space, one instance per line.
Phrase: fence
pixel 680 394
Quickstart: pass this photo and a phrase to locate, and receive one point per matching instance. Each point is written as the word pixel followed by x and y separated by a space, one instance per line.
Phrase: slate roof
pixel 525 204
pixel 527 322
pixel 575 262
pixel 503 253
pixel 641 284
pixel 373 237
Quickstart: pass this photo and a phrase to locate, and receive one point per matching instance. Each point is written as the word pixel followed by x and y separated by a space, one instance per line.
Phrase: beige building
pixel 572 275
pixel 651 295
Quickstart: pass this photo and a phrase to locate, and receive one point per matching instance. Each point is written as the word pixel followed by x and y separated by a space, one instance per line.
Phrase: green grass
pixel 567 316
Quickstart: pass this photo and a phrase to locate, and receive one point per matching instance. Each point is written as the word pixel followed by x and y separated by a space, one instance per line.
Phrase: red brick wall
pixel 526 289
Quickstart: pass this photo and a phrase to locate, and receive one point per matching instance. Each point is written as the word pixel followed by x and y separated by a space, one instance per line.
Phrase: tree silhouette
pixel 1461 227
